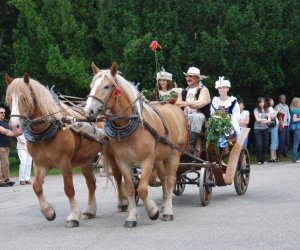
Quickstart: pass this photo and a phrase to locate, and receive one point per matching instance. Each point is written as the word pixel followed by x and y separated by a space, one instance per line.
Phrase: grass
pixel 14 164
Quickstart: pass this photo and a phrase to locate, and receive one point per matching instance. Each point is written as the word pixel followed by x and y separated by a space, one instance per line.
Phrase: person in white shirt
pixel 195 100
pixel 227 103
pixel 164 86
pixel 25 161
pixel 284 133
pixel 244 119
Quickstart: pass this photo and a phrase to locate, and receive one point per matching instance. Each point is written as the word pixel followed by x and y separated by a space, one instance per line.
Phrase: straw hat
pixel 193 71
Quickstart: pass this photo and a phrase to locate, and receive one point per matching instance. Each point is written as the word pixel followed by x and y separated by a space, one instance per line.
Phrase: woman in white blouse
pixel 164 86
pixel 227 103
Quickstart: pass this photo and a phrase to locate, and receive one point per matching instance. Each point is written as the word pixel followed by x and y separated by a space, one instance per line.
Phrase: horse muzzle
pixel 16 127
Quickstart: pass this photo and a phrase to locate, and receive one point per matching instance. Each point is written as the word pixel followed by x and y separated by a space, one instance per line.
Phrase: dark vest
pixel 4 140
pixel 205 110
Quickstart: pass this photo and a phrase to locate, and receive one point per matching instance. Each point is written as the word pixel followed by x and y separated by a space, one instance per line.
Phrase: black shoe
pixel 3 184
pixel 273 160
pixel 10 183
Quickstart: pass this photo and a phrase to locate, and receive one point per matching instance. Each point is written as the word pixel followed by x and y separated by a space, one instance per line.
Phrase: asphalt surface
pixel 266 217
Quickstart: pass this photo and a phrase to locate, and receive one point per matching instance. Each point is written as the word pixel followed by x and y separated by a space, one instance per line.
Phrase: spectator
pixel 295 127
pixel 273 131
pixel 244 119
pixel 284 135
pixel 4 151
pixel 25 161
pixel 261 129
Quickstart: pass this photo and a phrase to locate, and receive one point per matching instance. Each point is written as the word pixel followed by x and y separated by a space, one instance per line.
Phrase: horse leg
pixel 122 199
pixel 162 176
pixel 73 218
pixel 39 176
pixel 91 210
pixel 172 166
pixel 131 220
pixel 149 204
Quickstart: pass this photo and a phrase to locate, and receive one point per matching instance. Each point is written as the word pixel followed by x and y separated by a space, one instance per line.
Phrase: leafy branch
pixel 219 125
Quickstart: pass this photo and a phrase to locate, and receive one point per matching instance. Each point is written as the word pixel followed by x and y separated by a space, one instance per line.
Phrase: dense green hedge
pixel 255 43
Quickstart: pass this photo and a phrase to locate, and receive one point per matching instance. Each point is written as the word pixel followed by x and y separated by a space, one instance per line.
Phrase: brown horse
pixel 110 91
pixel 28 100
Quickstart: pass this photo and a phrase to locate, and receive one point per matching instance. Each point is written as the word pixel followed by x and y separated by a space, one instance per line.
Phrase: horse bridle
pixel 105 102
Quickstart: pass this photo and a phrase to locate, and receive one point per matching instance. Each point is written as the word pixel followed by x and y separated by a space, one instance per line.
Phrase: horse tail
pixel 106 165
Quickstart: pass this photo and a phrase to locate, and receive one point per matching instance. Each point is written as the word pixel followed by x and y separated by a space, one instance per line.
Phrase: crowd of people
pixel 272 127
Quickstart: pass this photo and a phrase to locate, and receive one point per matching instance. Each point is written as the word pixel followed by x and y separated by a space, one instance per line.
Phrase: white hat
pixel 222 83
pixel 164 75
pixel 193 71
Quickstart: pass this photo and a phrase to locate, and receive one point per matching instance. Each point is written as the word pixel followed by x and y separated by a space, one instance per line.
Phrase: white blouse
pixel 218 104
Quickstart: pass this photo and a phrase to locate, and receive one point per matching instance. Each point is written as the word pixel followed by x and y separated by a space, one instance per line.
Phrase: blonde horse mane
pixel 132 93
pixel 34 94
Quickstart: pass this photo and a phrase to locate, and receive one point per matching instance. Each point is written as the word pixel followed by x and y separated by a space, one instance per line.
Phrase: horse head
pixel 103 87
pixel 19 100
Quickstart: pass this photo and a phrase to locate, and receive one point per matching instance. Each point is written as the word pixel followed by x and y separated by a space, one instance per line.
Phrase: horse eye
pixel 106 87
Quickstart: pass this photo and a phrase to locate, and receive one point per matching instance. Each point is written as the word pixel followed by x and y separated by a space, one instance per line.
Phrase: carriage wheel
pixel 206 183
pixel 242 174
pixel 180 185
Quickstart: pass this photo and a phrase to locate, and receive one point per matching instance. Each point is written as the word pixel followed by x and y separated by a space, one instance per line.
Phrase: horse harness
pixel 45 135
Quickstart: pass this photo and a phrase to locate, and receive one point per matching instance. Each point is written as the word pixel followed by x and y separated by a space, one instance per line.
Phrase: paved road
pixel 266 217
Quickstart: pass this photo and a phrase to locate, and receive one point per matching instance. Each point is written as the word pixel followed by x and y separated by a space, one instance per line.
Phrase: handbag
pixel 272 124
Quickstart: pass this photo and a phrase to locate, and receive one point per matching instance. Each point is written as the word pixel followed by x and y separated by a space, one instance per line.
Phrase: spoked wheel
pixel 206 183
pixel 242 174
pixel 180 185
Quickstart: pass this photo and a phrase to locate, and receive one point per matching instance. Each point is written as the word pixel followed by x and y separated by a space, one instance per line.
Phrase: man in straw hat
pixel 195 100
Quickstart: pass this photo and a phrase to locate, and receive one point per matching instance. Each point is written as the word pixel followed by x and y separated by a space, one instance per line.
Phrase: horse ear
pixel 26 78
pixel 114 69
pixel 95 69
pixel 8 79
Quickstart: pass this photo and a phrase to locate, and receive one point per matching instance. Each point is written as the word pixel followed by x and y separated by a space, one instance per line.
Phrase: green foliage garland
pixel 168 97
pixel 219 125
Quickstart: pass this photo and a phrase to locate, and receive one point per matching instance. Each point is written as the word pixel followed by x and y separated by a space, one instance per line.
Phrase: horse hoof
pixel 122 208
pixel 72 223
pixel 130 224
pixel 154 217
pixel 52 217
pixel 168 217
pixel 87 216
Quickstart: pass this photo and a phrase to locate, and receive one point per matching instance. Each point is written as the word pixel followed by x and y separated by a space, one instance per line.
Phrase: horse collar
pixel 47 134
pixel 113 131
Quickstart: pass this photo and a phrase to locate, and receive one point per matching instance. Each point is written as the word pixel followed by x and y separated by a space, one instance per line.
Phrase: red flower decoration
pixel 116 92
pixel 154 45
pixel 172 101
